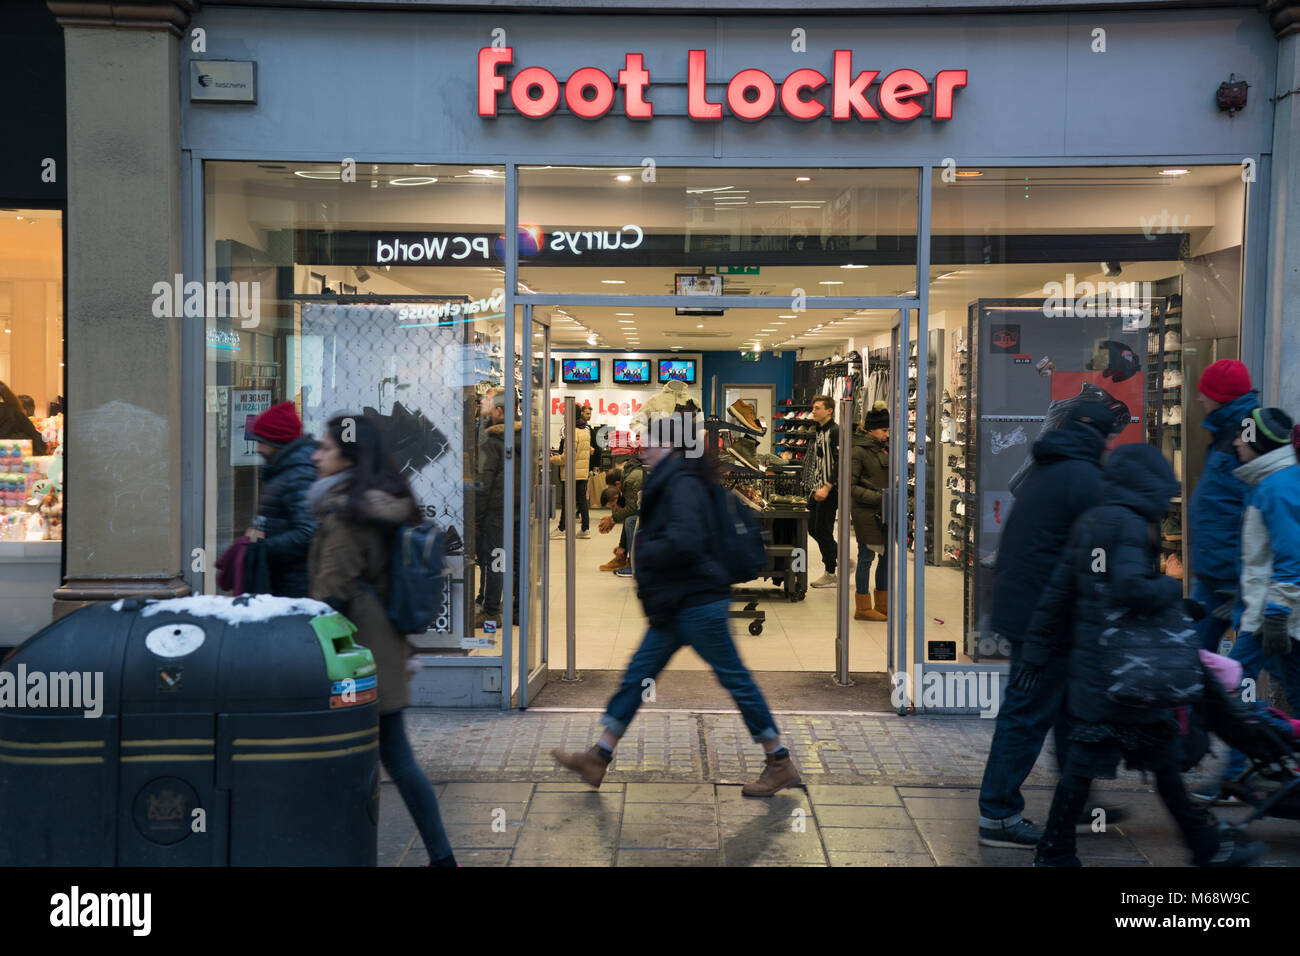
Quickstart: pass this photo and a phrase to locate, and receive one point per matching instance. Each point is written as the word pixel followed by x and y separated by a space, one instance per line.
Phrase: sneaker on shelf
pixel 1021 835
pixel 825 581
pixel 1173 342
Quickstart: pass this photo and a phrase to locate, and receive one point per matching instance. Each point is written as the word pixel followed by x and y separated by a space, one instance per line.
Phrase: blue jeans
pixel 703 627
pixel 862 576
pixel 1248 651
pixel 1023 722
pixel 1210 628
pixel 417 793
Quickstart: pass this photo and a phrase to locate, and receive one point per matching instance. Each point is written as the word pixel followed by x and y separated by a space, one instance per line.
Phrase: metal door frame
pixel 530 683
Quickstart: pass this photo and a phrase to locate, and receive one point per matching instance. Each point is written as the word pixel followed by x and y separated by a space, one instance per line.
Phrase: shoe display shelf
pixel 792 429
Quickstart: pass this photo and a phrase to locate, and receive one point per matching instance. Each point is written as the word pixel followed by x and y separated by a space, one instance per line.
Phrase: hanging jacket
pixel 1064 481
pixel 1270 541
pixel 283 516
pixel 1216 505
pixel 1108 576
pixel 674 563
pixel 868 477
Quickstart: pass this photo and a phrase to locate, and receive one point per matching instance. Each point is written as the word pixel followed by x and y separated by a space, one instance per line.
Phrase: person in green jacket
pixel 630 496
pixel 869 476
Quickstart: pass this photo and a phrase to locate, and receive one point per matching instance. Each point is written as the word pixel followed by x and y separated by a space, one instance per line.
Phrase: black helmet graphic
pixel 1117 361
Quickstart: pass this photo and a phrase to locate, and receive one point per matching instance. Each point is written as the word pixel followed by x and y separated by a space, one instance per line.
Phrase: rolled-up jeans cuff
pixel 1000 824
pixel 765 735
pixel 613 725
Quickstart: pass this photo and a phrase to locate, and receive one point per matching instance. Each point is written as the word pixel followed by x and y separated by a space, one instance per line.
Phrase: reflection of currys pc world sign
pixel 398 250
pixel 751 94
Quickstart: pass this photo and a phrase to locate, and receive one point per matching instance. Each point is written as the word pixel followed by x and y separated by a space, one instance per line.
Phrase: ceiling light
pixel 413 181
pixel 318 173
pixel 830 282
pixel 778 323
pixel 851 265
pixel 805 207
pixel 803 179
pixel 968 173
pixel 623 178
pixel 767 330
pixel 613 281
pixel 625 313
pixel 627 321
pixel 591 339
pixel 483 172
pixel 789 316
pixel 699 325
pixel 1173 172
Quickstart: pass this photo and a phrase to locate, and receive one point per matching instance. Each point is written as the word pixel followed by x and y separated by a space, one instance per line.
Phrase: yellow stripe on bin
pixel 171 742
pixel 165 758
pixel 308 754
pixel 8 758
pixel 289 741
pixel 51 744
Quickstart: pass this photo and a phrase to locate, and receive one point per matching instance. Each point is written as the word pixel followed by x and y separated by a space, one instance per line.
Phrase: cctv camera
pixel 1111 268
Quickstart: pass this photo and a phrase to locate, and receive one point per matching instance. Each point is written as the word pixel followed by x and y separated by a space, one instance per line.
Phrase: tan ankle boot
pixel 866 612
pixel 589 764
pixel 777 775
pixel 882 604
pixel 863 607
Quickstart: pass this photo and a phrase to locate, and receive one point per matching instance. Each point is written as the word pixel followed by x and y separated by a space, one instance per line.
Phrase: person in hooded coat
pixel 359 501
pixel 1218 501
pixel 490 504
pixel 869 477
pixel 1065 481
pixel 1085 599
pixel 284 525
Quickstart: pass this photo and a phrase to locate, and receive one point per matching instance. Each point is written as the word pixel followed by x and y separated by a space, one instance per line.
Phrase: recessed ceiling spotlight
pixel 625 313
pixel 613 281
pixel 830 282
pixel 789 316
pixel 623 178
pixel 803 179
pixel 627 321
pixel 1173 172
pixel 851 265
pixel 483 172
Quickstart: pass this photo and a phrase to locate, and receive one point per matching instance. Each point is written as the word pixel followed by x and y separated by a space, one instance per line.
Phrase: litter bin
pixel 199 731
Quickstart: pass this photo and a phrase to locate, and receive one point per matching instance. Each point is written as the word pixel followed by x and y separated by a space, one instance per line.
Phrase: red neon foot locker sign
pixel 750 95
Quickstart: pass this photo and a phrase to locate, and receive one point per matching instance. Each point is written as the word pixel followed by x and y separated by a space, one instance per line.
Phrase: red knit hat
pixel 278 425
pixel 1225 380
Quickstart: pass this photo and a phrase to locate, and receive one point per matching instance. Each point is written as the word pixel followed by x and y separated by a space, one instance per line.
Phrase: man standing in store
pixel 1216 506
pixel 820 468
pixel 1064 481
pixel 582 453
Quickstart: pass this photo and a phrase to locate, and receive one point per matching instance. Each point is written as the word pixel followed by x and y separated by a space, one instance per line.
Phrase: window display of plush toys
pixel 31 493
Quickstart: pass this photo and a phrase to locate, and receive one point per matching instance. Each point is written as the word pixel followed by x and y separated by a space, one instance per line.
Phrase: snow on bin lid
pixel 249 609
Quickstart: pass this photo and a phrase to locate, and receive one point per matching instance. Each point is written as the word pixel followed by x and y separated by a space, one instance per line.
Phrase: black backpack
pixel 741 547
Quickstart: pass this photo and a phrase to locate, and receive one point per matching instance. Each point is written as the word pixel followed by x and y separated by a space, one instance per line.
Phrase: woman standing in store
pixel 359 500
pixel 582 454
pixel 869 477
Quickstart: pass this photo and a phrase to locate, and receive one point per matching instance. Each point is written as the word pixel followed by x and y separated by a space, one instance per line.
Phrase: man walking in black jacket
pixel 820 469
pixel 1065 481
pixel 685 591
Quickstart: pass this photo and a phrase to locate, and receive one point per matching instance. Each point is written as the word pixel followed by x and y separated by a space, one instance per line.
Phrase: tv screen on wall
pixel 632 371
pixel 677 370
pixel 580 371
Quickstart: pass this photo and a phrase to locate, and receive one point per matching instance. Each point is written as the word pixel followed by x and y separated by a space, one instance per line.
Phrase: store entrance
pixel 790 625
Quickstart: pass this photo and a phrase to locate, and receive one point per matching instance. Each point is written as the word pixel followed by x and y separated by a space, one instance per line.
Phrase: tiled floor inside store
pixel 796 635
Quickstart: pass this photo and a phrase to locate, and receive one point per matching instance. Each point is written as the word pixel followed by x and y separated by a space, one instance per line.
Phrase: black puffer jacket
pixel 490 484
pixel 284 518
pixel 1064 482
pixel 1110 573
pixel 869 475
pixel 674 560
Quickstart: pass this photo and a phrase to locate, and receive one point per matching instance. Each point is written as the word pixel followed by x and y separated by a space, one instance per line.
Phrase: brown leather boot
pixel 590 764
pixel 615 564
pixel 882 604
pixel 777 775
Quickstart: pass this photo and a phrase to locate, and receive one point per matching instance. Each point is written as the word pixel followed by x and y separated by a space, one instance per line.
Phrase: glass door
pixel 535 499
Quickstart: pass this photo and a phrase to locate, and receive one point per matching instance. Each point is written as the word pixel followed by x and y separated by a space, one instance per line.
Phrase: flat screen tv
pixel 580 371
pixel 677 370
pixel 632 371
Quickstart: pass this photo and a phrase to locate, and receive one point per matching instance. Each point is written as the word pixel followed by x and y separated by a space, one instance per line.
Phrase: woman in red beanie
pixel 284 525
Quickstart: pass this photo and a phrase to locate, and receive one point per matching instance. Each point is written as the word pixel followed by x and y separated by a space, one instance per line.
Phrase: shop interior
pixel 31 418
pixel 1162 247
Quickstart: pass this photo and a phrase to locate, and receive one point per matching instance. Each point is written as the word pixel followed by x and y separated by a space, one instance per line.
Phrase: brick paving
pixel 879 790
